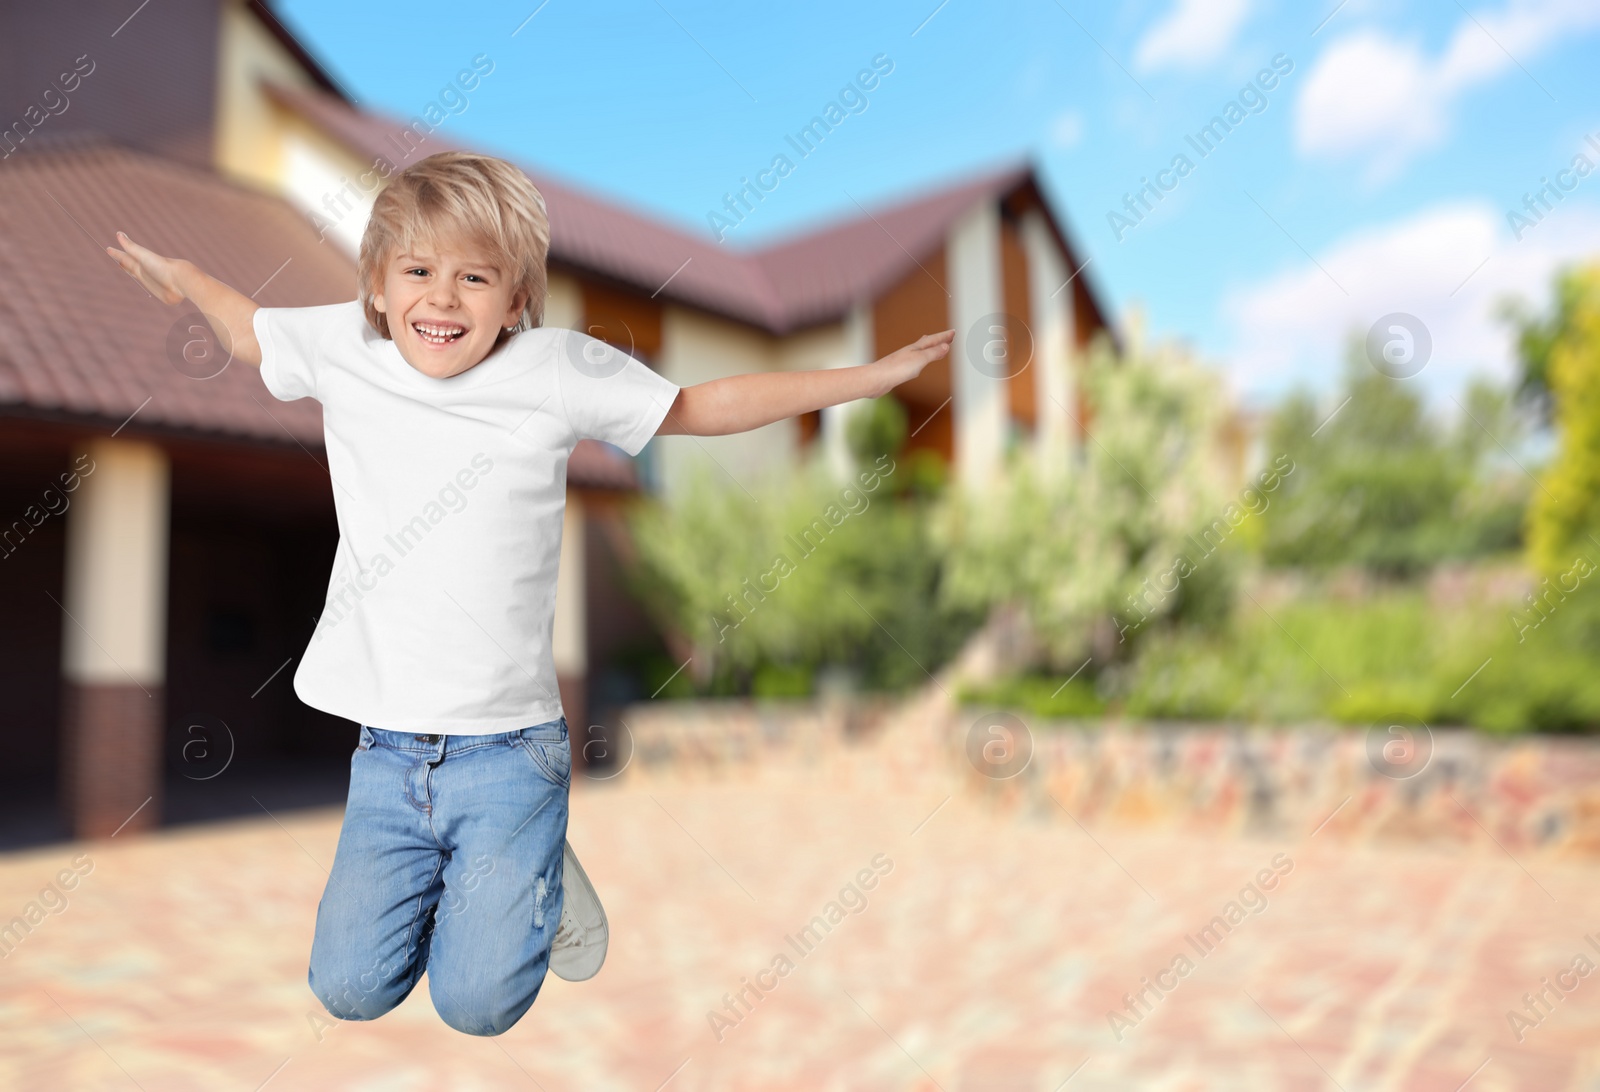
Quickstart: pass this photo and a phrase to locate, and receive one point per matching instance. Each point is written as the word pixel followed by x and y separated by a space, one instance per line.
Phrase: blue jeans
pixel 449 862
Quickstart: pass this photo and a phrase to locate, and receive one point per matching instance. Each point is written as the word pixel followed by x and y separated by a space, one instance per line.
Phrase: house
pixel 166 525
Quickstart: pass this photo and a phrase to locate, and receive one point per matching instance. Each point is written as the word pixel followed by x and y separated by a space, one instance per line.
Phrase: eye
pixel 475 277
pixel 416 269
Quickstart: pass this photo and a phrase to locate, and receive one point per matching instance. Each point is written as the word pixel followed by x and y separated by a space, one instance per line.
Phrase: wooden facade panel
pixel 810 427
pixel 932 429
pixel 1085 319
pixel 919 304
pixel 1021 383
pixel 622 317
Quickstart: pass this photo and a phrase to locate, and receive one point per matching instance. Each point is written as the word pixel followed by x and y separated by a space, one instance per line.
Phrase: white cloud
pixel 1370 93
pixel 1191 35
pixel 1066 131
pixel 1294 327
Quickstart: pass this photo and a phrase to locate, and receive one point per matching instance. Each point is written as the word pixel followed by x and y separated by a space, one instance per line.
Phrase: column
pixel 978 398
pixel 858 349
pixel 1051 305
pixel 114 638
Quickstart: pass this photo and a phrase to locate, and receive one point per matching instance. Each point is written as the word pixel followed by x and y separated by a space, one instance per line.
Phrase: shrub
pixel 1093 553
pixel 800 572
pixel 1389 656
pixel 1040 695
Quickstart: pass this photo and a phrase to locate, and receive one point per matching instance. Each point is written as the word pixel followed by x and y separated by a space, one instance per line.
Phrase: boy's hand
pixel 158 275
pixel 907 363
pixel 230 314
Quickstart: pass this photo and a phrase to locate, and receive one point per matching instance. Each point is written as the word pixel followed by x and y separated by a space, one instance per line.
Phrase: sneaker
pixel 581 939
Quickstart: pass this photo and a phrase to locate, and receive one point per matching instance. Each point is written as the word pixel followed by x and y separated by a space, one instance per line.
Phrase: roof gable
pixel 807 279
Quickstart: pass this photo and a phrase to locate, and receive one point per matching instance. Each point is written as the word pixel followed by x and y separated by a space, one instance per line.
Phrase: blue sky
pixel 1376 178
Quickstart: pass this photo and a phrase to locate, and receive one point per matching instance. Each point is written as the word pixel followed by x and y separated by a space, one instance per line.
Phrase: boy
pixel 449 411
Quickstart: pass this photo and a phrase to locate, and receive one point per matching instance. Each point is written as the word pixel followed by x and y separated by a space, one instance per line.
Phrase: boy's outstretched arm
pixel 172 280
pixel 739 403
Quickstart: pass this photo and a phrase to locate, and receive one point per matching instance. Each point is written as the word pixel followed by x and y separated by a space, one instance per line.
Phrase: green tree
pixel 1537 334
pixel 1564 517
pixel 1382 485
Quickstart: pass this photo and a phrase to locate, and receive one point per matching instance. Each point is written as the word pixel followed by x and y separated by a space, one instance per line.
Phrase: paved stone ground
pixel 988 957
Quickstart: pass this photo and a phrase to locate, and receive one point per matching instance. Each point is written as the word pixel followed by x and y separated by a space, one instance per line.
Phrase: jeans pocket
pixel 552 758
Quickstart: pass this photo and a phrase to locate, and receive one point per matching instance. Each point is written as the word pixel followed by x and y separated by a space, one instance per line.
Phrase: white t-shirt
pixel 449 494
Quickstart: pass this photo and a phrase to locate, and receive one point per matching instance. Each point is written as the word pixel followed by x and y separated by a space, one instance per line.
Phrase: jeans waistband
pixel 445 744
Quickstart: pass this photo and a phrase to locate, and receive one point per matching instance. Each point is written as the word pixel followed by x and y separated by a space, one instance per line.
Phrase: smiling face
pixel 446 306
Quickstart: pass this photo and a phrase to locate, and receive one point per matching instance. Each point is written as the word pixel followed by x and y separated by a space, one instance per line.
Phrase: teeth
pixel 437 335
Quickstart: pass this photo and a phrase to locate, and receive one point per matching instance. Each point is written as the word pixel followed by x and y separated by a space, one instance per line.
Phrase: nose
pixel 442 292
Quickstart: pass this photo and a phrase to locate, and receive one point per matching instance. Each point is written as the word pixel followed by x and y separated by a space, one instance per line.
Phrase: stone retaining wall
pixel 1528 793
pixel 1523 795
pixel 723 737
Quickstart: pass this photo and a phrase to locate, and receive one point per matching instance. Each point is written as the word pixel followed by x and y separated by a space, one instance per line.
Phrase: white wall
pixel 696 348
pixel 319 178
pixel 563 304
pixel 849 343
pixel 245 144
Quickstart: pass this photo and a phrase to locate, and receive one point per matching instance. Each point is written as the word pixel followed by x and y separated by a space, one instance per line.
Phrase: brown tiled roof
pixel 79 339
pixel 584 232
pixel 799 282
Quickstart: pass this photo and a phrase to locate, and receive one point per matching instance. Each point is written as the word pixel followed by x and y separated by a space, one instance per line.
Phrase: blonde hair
pixel 461 196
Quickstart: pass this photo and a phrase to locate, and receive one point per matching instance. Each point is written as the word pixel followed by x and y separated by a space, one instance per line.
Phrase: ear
pixel 514 312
